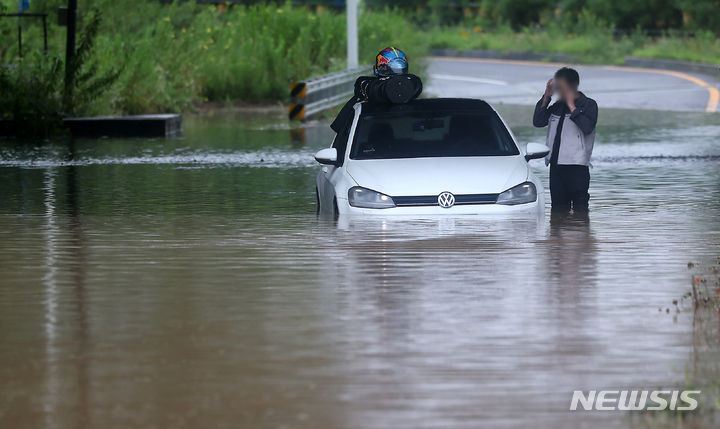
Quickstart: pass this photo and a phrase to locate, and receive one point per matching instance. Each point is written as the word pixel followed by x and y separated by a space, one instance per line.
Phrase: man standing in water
pixel 571 124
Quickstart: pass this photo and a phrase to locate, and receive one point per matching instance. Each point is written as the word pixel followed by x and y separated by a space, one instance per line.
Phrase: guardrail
pixel 19 16
pixel 325 92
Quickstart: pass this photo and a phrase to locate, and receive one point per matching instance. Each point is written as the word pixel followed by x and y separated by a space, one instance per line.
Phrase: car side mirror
pixel 535 151
pixel 327 156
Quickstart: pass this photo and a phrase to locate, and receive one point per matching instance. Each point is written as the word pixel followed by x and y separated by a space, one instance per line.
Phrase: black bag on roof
pixel 396 89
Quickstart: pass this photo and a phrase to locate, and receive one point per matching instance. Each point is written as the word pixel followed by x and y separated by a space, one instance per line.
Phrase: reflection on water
pixel 188 283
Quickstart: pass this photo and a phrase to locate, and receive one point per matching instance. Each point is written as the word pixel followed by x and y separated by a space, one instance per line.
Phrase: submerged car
pixel 430 156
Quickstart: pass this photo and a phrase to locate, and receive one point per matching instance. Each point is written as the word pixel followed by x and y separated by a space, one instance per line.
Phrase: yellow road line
pixel 713 100
pixel 713 92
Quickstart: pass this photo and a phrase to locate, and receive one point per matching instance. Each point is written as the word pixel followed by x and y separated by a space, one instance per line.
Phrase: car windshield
pixel 431 134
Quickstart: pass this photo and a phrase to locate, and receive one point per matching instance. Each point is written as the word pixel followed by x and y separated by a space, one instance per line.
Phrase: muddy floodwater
pixel 187 283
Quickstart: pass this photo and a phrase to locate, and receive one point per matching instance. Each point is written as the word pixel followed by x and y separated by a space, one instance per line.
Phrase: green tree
pixel 701 14
pixel 517 13
pixel 33 93
pixel 624 14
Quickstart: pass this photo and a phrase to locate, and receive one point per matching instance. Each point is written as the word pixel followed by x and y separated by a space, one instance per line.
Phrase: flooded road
pixel 188 283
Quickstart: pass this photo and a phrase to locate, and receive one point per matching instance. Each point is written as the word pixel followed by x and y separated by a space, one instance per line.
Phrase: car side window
pixel 340 143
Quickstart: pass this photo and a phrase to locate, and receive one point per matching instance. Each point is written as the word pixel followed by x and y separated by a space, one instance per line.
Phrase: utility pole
pixel 70 51
pixel 352 32
pixel 23 5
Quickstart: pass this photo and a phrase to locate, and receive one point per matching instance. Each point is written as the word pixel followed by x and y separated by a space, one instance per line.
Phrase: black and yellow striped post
pixel 296 111
pixel 298 91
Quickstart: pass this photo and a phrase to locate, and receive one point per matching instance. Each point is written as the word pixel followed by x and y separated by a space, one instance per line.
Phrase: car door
pixel 328 173
pixel 323 183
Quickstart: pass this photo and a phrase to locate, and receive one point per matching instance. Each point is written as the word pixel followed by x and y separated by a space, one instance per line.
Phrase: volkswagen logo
pixel 446 200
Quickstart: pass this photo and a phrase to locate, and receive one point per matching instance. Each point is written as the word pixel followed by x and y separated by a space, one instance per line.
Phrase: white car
pixel 428 157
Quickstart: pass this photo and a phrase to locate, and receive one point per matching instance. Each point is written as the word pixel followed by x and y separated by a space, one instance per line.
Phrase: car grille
pixel 432 200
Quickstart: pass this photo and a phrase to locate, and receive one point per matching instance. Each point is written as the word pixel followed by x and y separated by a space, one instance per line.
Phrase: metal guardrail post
pixel 19 16
pixel 325 92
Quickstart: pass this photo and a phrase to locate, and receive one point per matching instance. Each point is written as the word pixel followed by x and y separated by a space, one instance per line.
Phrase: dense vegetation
pixel 586 39
pixel 172 56
pixel 594 31
pixel 37 91
pixel 648 15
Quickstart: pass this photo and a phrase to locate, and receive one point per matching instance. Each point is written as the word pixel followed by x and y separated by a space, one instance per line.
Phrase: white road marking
pixel 481 80
pixel 469 79
pixel 713 90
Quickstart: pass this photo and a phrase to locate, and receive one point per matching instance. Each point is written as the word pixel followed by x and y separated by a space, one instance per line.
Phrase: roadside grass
pixel 589 48
pixel 599 46
pixel 253 53
pixel 174 56
pixel 704 47
pixel 35 92
pixel 704 416
pixel 703 369
pixel 702 372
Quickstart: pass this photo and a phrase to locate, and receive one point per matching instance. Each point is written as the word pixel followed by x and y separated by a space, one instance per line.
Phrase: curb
pixel 676 65
pixel 148 126
pixel 683 66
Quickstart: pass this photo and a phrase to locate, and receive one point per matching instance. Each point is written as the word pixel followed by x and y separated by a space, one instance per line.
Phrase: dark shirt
pixel 564 110
pixel 345 116
pixel 585 114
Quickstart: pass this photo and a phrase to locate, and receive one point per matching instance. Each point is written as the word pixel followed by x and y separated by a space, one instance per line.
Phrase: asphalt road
pixel 522 82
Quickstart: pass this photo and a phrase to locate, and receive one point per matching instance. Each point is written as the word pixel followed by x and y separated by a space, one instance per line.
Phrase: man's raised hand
pixel 549 89
pixel 548 93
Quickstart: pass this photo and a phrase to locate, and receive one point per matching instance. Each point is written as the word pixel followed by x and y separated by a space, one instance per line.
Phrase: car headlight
pixel 369 199
pixel 521 194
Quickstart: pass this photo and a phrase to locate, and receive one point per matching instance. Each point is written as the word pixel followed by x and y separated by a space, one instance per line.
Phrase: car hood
pixel 431 176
